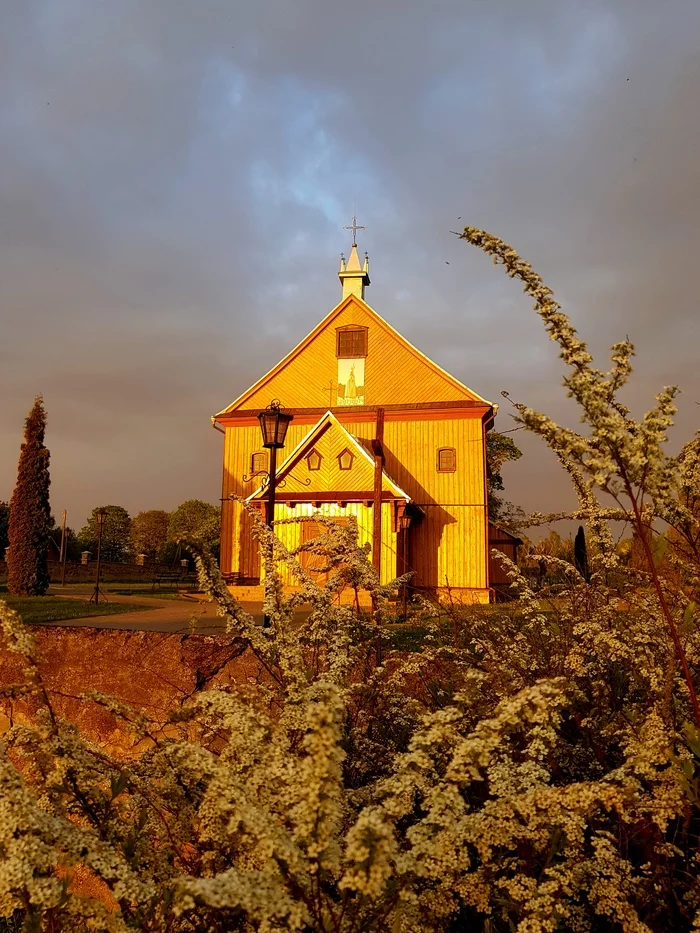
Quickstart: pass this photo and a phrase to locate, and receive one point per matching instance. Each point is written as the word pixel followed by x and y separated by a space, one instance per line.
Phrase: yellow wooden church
pixel 379 432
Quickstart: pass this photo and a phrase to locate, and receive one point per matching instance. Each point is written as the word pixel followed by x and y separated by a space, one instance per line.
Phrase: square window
pixel 351 342
pixel 446 460
pixel 258 463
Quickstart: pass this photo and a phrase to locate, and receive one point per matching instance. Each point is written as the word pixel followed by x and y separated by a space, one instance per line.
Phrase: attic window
pixel 313 459
pixel 446 460
pixel 345 459
pixel 351 342
pixel 258 462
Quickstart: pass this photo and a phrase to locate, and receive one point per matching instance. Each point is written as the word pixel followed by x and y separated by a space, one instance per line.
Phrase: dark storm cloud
pixel 174 176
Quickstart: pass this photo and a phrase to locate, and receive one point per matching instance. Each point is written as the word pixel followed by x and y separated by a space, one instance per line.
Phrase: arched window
pixel 345 459
pixel 351 342
pixel 313 459
pixel 446 460
pixel 258 462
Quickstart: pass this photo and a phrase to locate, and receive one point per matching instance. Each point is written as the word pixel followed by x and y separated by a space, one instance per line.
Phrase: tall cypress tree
pixel 30 514
pixel 581 554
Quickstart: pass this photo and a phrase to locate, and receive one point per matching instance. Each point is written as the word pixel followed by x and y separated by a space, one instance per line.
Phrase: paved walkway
pixel 166 615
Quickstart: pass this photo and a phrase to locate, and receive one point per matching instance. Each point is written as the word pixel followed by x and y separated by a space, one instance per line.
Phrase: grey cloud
pixel 174 176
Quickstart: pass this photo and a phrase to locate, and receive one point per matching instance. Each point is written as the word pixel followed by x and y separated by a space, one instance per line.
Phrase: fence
pixel 109 572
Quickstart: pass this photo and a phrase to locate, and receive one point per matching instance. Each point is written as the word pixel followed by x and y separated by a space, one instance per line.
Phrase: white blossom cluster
pixel 532 767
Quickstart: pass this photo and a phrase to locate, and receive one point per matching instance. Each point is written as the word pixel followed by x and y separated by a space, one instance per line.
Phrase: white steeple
pixel 354 277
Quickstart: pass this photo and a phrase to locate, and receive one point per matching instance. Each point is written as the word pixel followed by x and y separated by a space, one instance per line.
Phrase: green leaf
pixel 118 784
pixel 692 735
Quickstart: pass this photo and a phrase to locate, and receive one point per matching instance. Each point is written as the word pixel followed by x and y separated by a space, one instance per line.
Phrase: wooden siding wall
pixel 330 478
pixel 498 576
pixel 290 534
pixel 238 552
pixel 393 373
pixel 448 546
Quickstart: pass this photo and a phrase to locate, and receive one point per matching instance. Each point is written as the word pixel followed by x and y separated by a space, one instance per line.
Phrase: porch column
pixel 378 449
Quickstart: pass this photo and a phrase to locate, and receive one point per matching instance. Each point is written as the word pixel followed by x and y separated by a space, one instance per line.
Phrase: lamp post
pixel 273 425
pixel 100 516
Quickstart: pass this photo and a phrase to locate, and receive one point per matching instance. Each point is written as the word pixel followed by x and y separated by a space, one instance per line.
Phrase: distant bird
pixel 446 263
pixel 628 79
pixel 460 217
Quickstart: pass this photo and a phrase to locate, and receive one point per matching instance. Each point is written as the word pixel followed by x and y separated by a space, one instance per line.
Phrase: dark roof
pixel 509 534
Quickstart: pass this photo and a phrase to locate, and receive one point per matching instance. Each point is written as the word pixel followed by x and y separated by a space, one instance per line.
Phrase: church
pixel 380 432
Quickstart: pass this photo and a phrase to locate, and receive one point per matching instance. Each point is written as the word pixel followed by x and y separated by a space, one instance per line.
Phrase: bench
pixel 170 577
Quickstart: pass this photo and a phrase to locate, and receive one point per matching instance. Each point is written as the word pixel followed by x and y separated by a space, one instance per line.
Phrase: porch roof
pixel 390 488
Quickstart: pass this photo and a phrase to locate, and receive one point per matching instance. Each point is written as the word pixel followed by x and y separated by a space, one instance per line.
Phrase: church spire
pixel 354 277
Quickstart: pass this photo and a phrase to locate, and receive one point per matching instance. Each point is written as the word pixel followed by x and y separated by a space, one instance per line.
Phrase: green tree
pixel 4 526
pixel 30 512
pixel 501 449
pixel 115 534
pixel 149 533
pixel 198 519
pixel 72 544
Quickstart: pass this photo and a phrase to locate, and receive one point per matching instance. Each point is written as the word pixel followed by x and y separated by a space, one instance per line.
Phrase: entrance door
pixel 311 562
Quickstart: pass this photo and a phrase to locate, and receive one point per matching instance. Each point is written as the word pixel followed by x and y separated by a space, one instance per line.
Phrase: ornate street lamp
pixel 273 425
pixel 100 517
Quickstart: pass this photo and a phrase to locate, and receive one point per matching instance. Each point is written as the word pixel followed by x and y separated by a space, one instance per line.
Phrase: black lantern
pixel 101 516
pixel 273 424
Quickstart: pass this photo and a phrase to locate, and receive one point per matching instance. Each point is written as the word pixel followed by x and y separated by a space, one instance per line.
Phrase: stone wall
pixel 151 671
pixel 109 572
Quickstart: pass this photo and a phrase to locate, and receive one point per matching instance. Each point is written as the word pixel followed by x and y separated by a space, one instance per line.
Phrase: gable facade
pixel 380 432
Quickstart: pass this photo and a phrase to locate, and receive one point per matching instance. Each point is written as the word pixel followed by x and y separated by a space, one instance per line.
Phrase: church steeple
pixel 354 277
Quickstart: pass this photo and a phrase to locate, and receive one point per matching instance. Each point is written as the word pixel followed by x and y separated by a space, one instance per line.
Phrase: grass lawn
pixel 58 608
pixel 135 591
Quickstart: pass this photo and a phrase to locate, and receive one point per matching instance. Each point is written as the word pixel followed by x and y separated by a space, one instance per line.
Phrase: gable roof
pixel 322 325
pixel 326 422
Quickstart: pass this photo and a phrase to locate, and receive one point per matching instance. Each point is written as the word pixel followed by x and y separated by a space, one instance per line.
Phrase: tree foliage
pixel 501 449
pixel 116 540
pixel 30 511
pixel 4 527
pixel 149 533
pixel 197 519
pixel 73 545
pixel 534 768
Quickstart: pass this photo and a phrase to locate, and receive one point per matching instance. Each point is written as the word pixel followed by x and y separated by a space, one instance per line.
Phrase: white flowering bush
pixel 534 767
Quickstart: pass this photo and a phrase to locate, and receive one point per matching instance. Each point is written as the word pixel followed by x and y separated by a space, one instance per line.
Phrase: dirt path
pixel 167 615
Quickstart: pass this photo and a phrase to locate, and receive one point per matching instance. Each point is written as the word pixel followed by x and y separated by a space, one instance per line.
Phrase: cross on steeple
pixel 354 226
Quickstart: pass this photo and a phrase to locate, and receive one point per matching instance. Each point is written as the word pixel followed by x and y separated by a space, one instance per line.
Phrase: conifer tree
pixel 30 513
pixel 581 554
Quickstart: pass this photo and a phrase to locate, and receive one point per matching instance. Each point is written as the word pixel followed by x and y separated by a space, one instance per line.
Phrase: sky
pixel 175 177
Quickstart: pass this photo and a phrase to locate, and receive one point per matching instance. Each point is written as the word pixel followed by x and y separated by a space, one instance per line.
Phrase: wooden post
pixel 270 511
pixel 271 489
pixel 378 447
